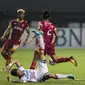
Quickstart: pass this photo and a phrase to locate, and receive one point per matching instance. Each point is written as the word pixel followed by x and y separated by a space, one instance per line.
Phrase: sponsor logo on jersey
pixel 18 28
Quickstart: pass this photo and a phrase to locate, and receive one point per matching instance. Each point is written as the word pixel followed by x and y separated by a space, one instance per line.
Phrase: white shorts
pixel 42 69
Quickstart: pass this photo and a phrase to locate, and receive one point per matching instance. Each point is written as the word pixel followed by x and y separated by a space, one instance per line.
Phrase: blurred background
pixel 67 15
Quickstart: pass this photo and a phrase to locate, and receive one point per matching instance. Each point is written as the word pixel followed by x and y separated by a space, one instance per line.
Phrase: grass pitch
pixel 25 57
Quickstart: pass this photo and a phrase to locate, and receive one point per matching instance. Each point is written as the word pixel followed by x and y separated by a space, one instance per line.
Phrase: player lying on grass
pixel 17 26
pixel 39 51
pixel 50 39
pixel 38 75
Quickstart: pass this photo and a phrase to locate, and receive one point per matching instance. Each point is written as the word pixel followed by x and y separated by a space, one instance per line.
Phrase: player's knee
pixel 3 53
pixel 55 60
pixel 41 52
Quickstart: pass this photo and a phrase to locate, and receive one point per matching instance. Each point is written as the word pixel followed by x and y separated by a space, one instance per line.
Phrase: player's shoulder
pixel 13 20
pixel 25 21
pixel 40 22
pixel 53 25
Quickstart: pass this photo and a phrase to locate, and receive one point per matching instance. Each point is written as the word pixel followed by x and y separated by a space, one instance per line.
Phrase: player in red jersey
pixel 50 38
pixel 17 26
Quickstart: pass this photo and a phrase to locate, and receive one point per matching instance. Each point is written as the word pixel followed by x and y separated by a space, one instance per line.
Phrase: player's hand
pixel 7 68
pixel 54 44
pixel 8 78
pixel 2 38
pixel 29 42
pixel 24 43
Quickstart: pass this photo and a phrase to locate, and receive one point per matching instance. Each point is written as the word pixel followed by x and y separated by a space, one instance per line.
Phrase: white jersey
pixel 39 37
pixel 34 75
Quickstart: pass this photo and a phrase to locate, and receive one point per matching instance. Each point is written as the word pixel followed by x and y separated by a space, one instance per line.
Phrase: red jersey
pixel 18 29
pixel 49 29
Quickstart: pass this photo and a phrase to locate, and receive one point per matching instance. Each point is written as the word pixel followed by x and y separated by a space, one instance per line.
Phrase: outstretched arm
pixel 7 68
pixel 31 39
pixel 14 81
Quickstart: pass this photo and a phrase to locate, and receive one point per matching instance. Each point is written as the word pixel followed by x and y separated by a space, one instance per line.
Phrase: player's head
pixel 21 13
pixel 16 72
pixel 46 15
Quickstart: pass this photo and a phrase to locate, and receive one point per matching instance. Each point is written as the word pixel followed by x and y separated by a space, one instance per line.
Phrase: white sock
pixel 60 76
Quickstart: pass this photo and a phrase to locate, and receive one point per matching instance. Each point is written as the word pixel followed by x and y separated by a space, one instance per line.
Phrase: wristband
pixel 10 64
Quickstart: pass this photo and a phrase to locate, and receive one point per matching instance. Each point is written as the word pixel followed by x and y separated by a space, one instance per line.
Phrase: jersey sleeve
pixel 55 29
pixel 10 24
pixel 27 25
pixel 21 68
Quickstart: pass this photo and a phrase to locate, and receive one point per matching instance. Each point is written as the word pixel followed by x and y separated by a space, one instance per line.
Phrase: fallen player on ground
pixel 38 75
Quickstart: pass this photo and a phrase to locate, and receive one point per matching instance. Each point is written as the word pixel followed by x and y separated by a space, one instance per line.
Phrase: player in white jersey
pixel 38 75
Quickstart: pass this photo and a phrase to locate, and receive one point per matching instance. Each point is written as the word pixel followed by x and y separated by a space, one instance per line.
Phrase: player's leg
pixel 57 76
pixel 34 61
pixel 57 59
pixel 38 55
pixel 62 59
pixel 7 53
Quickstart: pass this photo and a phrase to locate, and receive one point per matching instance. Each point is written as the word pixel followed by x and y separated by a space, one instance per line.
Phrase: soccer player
pixel 29 75
pixel 17 26
pixel 50 38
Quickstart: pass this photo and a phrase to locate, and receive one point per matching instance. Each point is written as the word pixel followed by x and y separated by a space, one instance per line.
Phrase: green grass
pixel 25 57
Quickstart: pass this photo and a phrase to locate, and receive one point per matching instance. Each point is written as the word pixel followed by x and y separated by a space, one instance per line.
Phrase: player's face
pixel 22 15
pixel 20 73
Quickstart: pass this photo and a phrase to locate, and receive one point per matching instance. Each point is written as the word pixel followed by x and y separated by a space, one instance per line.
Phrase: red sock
pixel 33 65
pixel 59 60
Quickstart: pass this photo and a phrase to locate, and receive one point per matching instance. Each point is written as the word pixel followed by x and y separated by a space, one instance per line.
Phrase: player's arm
pixel 14 81
pixel 16 62
pixel 55 36
pixel 7 31
pixel 39 26
pixel 27 37
pixel 31 39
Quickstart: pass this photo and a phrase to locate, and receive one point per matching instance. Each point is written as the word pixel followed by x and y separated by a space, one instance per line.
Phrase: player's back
pixel 18 28
pixel 48 28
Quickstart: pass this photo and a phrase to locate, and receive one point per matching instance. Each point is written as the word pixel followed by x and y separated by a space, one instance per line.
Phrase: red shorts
pixel 49 50
pixel 10 44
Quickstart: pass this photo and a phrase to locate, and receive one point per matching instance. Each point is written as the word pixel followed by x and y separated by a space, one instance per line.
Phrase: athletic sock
pixel 60 76
pixel 33 65
pixel 62 59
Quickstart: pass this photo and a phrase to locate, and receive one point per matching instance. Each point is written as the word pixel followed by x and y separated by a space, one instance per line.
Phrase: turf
pixel 25 57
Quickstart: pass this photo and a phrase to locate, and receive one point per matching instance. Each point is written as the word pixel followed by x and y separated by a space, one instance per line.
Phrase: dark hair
pixel 46 14
pixel 14 72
